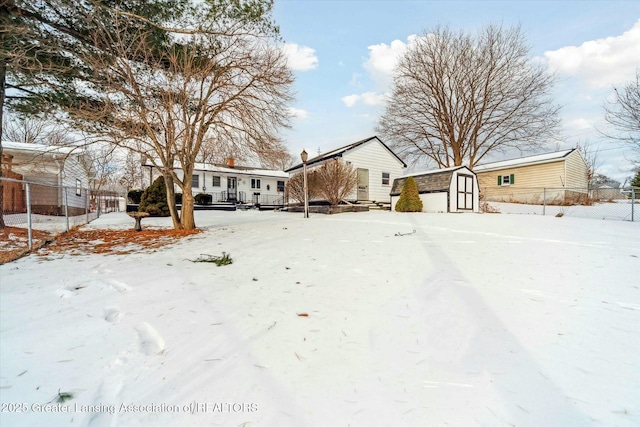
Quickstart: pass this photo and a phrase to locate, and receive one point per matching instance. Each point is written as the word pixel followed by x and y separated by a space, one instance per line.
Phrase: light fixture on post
pixel 304 156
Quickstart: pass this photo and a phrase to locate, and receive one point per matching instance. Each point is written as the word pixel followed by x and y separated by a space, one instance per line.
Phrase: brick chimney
pixel 230 162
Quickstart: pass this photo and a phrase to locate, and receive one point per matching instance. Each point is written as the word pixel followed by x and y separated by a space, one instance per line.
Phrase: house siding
pixel 205 181
pixel 529 182
pixel 377 159
pixel 576 172
pixel 52 170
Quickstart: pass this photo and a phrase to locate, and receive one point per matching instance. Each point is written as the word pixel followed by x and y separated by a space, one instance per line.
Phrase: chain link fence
pixel 599 203
pixel 33 212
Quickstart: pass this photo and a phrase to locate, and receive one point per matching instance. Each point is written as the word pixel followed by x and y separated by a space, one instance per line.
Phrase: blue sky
pixel 342 53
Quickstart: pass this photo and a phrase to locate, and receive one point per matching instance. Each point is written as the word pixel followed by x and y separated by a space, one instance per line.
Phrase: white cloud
pixel 371 99
pixel 298 113
pixel 602 62
pixel 300 58
pixel 383 59
pixel 350 100
pixel 380 65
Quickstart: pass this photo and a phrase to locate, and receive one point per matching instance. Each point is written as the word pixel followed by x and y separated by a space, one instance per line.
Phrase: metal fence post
pixel 66 206
pixel 29 223
pixel 633 202
pixel 544 201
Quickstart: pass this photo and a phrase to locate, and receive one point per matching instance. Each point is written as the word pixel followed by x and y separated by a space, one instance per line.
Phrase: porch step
pixel 376 206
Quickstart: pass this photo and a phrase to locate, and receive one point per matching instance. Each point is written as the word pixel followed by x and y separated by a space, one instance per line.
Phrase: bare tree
pixel 231 85
pixel 279 158
pixel 295 186
pixel 590 155
pixel 458 97
pixel 336 180
pixel 623 114
pixel 131 173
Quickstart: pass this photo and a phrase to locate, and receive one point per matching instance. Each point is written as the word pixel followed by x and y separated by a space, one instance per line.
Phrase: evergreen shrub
pixel 203 199
pixel 154 199
pixel 409 200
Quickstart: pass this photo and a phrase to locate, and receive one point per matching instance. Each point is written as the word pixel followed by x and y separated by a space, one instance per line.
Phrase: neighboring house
pixel 444 190
pixel 552 177
pixel 375 163
pixel 52 167
pixel 237 184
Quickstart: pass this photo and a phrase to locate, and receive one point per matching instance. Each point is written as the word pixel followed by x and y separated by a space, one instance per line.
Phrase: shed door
pixel 363 184
pixel 465 192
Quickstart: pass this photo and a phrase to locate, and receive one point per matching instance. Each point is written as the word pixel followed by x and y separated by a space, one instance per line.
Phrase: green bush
pixel 154 199
pixel 203 199
pixel 134 196
pixel 409 200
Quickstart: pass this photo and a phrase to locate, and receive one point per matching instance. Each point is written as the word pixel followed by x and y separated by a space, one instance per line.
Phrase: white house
pixel 231 183
pixel 61 171
pixel 376 165
pixel 443 190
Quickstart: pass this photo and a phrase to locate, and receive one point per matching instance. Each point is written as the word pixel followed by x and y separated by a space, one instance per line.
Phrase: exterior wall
pixel 431 202
pixel 434 202
pixel 268 191
pixel 576 172
pixel 53 172
pixel 528 185
pixel 377 159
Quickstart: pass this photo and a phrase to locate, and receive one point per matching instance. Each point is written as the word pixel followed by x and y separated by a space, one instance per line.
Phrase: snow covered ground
pixel 474 319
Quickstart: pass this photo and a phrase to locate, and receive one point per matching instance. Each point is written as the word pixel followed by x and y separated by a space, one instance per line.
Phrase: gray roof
pixel 428 182
pixel 339 151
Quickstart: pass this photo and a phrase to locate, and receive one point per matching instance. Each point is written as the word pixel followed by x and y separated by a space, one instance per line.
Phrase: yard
pixel 359 319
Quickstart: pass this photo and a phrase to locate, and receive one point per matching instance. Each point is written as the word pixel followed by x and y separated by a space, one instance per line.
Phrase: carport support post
pixel 86 205
pixel 29 223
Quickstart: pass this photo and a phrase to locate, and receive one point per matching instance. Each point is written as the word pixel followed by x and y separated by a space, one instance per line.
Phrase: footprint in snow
pixel 119 286
pixel 112 314
pixel 151 342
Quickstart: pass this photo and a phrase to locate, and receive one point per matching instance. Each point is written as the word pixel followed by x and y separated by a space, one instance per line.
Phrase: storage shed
pixel 444 190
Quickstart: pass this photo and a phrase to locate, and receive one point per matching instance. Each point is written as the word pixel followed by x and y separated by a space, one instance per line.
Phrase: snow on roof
pixel 236 170
pixel 522 161
pixel 240 170
pixel 39 148
pixel 429 172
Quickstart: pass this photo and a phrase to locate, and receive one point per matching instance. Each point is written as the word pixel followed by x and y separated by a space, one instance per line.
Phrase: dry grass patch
pixel 14 241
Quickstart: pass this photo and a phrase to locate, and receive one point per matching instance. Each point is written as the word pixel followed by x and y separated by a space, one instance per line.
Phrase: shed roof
pixel 338 152
pixel 525 161
pixel 429 181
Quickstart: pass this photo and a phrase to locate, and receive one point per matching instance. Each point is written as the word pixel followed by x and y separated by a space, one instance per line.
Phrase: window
pixel 385 178
pixel 216 181
pixel 195 181
pixel 255 183
pixel 78 188
pixel 506 179
pixel 281 186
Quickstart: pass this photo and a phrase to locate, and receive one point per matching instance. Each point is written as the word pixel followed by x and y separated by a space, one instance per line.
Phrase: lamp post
pixel 304 156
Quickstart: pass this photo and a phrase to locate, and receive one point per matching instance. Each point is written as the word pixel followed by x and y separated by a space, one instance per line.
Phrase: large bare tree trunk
pixel 171 200
pixel 187 220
